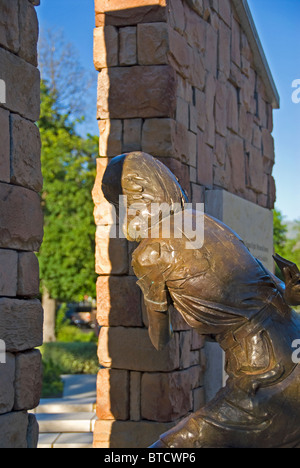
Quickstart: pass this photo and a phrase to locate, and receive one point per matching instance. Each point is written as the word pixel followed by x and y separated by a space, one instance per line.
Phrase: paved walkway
pixel 68 422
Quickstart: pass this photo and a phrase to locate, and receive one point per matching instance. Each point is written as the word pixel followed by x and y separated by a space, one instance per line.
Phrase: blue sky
pixel 277 22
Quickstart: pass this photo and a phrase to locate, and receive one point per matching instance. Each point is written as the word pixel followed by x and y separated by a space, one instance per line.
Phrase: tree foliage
pixel 284 245
pixel 68 165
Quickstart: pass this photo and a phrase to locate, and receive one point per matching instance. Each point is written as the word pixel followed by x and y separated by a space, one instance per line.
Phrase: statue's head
pixel 146 183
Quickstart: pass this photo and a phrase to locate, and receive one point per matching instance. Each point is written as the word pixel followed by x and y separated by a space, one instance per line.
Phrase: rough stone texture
pixel 5 147
pixel 7 378
pixel 131 348
pixel 121 309
pixel 127 434
pixel 28 275
pixel 111 253
pixel 25 154
pixel 138 91
pixel 106 47
pixel 21 324
pixel 152 43
pixel 21 224
pixel 8 273
pixel 113 396
pixel 9 27
pixel 22 85
pixel 166 397
pixel 28 380
pixel 128 46
pixel 13 430
pixel 21 218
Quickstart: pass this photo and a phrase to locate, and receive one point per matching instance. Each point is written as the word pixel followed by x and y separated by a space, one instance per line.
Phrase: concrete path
pixel 68 422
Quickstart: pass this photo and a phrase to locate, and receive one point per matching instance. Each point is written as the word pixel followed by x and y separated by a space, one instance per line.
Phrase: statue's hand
pixel 292 286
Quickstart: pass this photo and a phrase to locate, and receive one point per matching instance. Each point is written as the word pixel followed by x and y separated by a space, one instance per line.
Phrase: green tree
pixel 280 231
pixel 68 165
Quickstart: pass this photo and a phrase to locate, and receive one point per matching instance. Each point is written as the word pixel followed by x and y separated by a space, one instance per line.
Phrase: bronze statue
pixel 223 292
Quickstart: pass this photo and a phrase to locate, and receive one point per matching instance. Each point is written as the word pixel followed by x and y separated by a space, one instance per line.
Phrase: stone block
pixel 235 151
pixel 22 85
pixel 205 162
pixel 135 396
pixel 29 33
pixel 110 141
pixel 5 146
pixel 252 223
pixel 104 6
pixel 198 398
pixel 13 430
pixel 268 144
pixel 236 42
pixel 128 434
pixel 28 380
pixel 25 154
pixel 157 137
pixel 255 171
pixel 111 252
pixel 200 106
pixel 225 11
pixel 113 394
pixel 220 109
pixel 165 397
pixel 211 51
pixel 180 170
pixel 7 378
pixel 232 108
pixel 118 301
pixel 9 27
pixel 104 212
pixel 153 43
pixel 32 432
pixel 21 218
pixel 137 92
pixel 21 324
pixel 128 46
pixel 224 56
pixel 132 135
pixel 131 348
pixel 8 273
pixel 106 47
pixel 28 275
pixel 195 28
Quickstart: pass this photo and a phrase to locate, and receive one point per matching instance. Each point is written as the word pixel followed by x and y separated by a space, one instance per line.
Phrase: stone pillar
pixel 177 79
pixel 21 225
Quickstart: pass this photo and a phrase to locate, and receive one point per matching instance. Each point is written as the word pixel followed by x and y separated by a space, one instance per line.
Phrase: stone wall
pixel 21 224
pixel 179 80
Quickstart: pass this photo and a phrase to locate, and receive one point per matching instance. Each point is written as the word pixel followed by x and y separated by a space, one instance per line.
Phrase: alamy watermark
pixel 2 92
pixel 159 220
pixel 296 93
pixel 296 353
pixel 2 352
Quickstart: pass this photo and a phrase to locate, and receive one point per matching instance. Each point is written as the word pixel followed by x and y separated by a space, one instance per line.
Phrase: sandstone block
pixel 127 434
pixel 135 396
pixel 25 154
pixel 110 141
pixel 236 42
pixel 255 172
pixel 165 397
pixel 22 85
pixel 8 273
pixel 132 136
pixel 106 47
pixel 29 33
pixel 103 6
pixel 128 46
pixel 111 252
pixel 113 394
pixel 224 56
pixel 5 147
pixel 196 28
pixel 13 430
pixel 235 151
pixel 136 92
pixel 7 377
pixel 32 432
pixel 104 212
pixel 28 275
pixel 157 137
pixel 220 109
pixel 268 144
pixel 205 162
pixel 21 218
pixel 131 348
pixel 232 109
pixel 225 11
pixel 211 51
pixel 118 301
pixel 153 43
pixel 21 324
pixel 28 380
pixel 9 28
